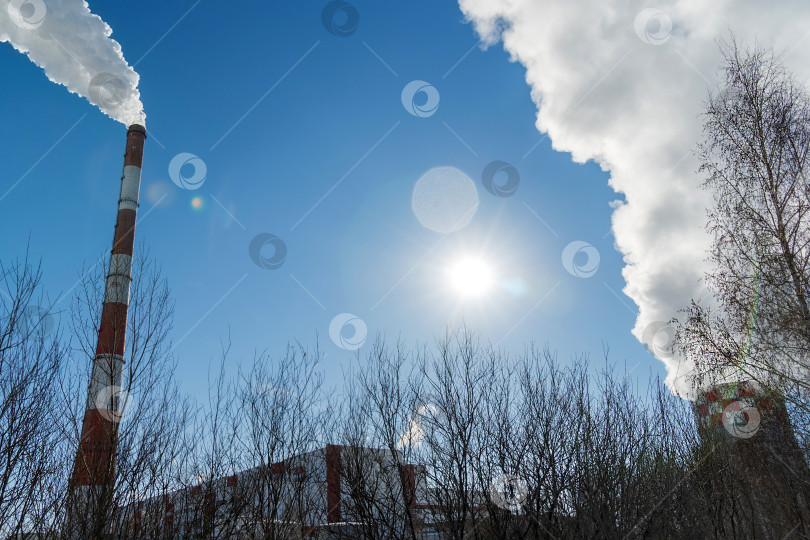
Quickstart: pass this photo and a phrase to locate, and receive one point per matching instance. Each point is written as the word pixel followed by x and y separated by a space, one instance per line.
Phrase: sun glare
pixel 471 277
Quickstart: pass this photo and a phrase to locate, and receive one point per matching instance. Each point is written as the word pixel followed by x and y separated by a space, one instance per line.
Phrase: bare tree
pixel 208 506
pixel 150 416
pixel 459 383
pixel 31 359
pixel 459 442
pixel 380 438
pixel 283 414
pixel 755 155
pixel 533 449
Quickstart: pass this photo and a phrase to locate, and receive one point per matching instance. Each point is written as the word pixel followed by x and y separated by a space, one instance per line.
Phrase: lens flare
pixel 197 203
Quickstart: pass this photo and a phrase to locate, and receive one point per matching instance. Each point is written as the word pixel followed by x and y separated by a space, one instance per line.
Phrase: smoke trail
pixel 74 48
pixel 623 83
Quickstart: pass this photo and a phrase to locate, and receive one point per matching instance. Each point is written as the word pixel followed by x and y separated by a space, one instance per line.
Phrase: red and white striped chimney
pixel 94 468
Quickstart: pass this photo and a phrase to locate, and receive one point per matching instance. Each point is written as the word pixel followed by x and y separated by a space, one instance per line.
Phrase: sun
pixel 471 277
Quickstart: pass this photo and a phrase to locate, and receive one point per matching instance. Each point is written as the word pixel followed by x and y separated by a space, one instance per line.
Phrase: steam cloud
pixel 624 84
pixel 74 48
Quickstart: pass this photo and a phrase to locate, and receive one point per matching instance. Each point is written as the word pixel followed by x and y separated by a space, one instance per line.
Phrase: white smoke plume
pixel 624 83
pixel 74 48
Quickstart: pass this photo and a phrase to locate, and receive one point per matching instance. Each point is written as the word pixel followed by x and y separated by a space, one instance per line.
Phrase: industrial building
pixel 313 495
pixel 762 481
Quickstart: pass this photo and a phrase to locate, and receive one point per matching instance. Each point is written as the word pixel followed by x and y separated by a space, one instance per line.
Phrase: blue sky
pixel 325 112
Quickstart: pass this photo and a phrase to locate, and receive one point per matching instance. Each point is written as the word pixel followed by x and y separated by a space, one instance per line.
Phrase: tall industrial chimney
pixel 94 468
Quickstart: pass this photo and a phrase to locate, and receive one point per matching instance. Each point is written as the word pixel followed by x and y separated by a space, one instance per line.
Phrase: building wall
pixel 314 499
